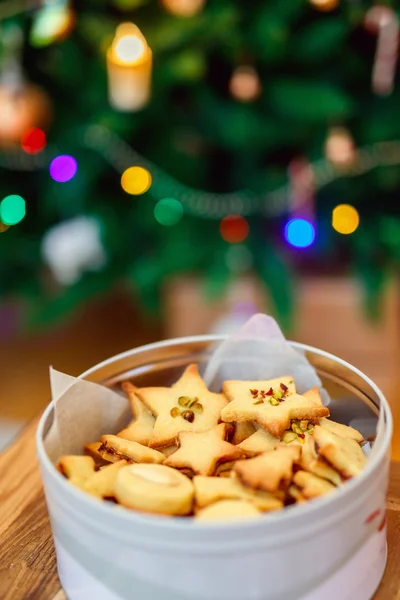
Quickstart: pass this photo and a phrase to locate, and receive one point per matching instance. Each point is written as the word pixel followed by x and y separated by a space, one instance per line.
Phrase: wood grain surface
pixel 27 558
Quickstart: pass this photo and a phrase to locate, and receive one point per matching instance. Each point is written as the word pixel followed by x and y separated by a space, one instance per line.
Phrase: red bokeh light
pixel 234 229
pixel 33 141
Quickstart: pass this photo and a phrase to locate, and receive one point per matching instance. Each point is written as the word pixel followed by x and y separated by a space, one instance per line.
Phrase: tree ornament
pixel 183 8
pixel 339 147
pixel 52 23
pixel 73 247
pixel 325 5
pixel 23 106
pixel 245 84
pixel 129 66
pixel 383 21
pixel 22 109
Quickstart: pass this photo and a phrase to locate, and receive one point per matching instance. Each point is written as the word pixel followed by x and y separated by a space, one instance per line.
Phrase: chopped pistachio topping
pixel 175 412
pixel 188 415
pixel 184 401
pixel 274 401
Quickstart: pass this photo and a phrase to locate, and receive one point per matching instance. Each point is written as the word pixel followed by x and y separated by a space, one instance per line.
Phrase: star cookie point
pixel 186 406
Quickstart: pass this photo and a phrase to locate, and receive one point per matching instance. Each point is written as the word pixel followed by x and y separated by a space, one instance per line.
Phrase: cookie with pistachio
pixel 202 452
pixel 141 427
pixel 343 454
pixel 311 486
pixel 270 471
pixel 186 406
pixel 273 404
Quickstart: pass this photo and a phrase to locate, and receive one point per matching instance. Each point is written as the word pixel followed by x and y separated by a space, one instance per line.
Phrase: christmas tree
pixel 268 134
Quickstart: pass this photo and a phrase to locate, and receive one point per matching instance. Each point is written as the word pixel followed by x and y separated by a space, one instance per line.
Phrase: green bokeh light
pixel 12 209
pixel 168 211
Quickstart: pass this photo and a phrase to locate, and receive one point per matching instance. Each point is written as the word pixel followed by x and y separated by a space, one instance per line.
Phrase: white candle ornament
pixel 129 65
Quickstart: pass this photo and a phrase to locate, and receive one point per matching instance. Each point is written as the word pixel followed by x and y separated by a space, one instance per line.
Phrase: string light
pixel 324 5
pixel 12 209
pixel 339 147
pixel 345 219
pixel 183 8
pixel 129 66
pixel 63 168
pixel 168 212
pixel 234 229
pixel 33 141
pixel 299 233
pixel 136 180
pixel 245 84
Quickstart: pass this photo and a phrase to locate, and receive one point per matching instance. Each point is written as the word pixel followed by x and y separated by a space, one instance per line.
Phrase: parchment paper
pixel 85 411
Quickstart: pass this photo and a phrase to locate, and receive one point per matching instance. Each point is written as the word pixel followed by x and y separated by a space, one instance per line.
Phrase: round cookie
pixel 227 510
pixel 155 489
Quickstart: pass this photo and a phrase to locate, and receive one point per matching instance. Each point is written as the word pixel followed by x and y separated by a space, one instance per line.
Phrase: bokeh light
pixel 3 227
pixel 168 211
pixel 345 219
pixel 245 84
pixel 136 181
pixel 129 48
pixel 33 141
pixel 234 229
pixel 63 168
pixel 12 209
pixel 339 147
pixel 299 233
pixel 324 5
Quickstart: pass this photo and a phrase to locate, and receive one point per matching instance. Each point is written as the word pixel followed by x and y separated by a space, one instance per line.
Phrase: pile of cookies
pixel 256 447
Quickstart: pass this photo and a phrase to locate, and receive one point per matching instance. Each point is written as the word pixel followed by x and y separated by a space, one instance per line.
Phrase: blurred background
pixel 170 167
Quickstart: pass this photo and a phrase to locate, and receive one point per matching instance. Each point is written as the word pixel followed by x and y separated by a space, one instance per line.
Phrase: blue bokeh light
pixel 299 233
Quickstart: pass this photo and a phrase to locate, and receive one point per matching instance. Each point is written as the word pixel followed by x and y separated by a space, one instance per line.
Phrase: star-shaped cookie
pixel 261 441
pixel 186 406
pixel 209 490
pixel 270 471
pixel 141 427
pixel 311 462
pixel 274 407
pixel 343 431
pixel 312 486
pixel 201 452
pixel 344 454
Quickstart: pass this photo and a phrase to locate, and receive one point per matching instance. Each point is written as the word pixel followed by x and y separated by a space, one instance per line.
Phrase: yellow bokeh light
pixel 136 181
pixel 325 5
pixel 345 219
pixel 129 48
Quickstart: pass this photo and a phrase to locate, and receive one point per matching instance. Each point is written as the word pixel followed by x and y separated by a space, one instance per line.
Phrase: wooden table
pixel 27 559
